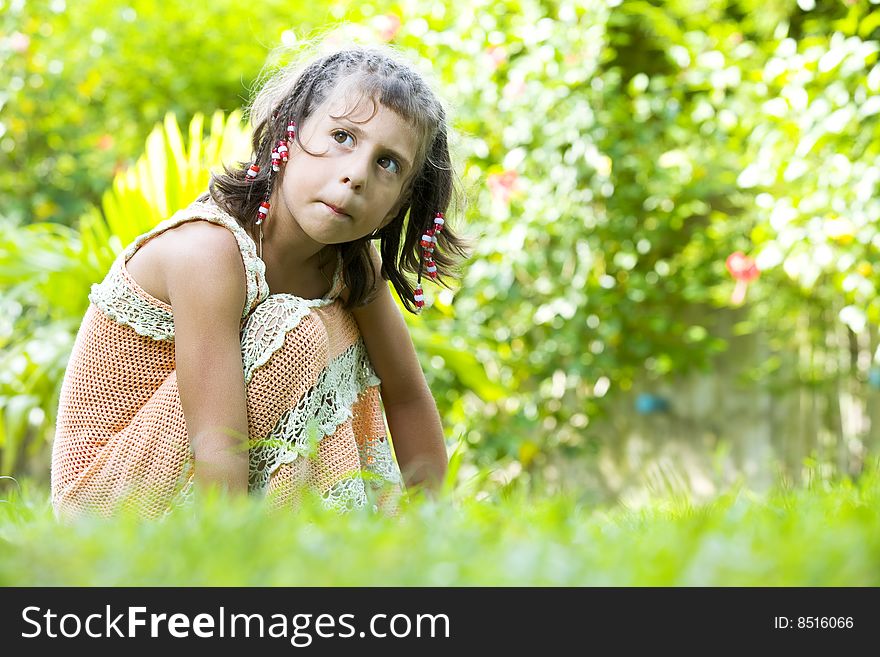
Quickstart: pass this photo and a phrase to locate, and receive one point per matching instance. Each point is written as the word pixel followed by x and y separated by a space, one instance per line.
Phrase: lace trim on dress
pixel 117 297
pixel 376 459
pixel 317 415
pixel 267 327
pixel 345 495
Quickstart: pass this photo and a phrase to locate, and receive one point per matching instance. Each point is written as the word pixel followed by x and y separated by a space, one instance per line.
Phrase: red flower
pixel 514 89
pixel 742 267
pixel 387 26
pixel 19 42
pixel 497 56
pixel 744 271
pixel 502 185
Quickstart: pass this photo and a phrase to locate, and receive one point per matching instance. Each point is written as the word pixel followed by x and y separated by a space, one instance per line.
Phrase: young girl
pixel 244 342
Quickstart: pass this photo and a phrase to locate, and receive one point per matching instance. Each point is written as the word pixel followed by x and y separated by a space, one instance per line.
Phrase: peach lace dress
pixel 314 413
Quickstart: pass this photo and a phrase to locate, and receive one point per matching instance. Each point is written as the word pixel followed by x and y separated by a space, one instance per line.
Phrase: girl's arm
pixel 206 287
pixel 410 409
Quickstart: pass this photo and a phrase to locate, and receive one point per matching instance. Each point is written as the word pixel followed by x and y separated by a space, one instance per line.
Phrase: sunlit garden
pixel 660 365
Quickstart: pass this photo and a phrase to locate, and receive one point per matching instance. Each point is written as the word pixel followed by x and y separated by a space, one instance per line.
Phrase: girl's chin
pixel 323 236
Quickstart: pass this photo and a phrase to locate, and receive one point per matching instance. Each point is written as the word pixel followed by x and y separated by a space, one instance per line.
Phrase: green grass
pixel 825 536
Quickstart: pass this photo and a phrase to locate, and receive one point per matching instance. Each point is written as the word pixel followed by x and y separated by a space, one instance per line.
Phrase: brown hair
pixel 293 94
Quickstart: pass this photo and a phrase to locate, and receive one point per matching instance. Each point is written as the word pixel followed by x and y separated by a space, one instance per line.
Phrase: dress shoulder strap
pixel 255 270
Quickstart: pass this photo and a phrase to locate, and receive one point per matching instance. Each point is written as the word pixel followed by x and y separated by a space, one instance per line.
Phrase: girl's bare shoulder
pixel 195 243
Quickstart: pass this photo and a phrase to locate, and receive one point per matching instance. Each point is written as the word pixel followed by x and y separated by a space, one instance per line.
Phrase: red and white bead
pixel 252 173
pixel 262 212
pixel 276 162
pixel 282 150
pixel 428 240
pixel 291 131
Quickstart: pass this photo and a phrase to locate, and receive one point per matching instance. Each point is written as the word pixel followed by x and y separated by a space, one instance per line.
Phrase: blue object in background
pixel 874 377
pixel 647 403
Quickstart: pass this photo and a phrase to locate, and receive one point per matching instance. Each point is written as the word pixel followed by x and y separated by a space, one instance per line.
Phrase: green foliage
pixel 171 173
pixel 84 82
pixel 615 154
pixel 828 536
pixel 813 171
pixel 46 270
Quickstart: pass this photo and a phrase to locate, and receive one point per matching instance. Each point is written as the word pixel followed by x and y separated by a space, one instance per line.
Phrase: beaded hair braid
pixel 279 156
pixel 418 240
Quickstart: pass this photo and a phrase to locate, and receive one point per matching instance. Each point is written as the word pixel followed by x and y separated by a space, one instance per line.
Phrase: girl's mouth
pixel 336 210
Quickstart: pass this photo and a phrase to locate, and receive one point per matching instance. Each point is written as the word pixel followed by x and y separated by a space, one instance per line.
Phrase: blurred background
pixel 673 205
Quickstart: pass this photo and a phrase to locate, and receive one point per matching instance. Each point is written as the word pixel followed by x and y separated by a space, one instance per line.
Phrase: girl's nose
pixel 355 183
pixel 355 172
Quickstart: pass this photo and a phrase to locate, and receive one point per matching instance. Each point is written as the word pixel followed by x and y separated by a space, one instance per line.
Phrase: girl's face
pixel 353 183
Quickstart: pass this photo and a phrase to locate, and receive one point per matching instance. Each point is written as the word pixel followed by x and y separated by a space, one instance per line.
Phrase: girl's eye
pixel 345 136
pixel 389 164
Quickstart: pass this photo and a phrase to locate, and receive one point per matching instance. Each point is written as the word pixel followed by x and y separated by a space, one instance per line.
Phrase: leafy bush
pixel 617 153
pixel 85 82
